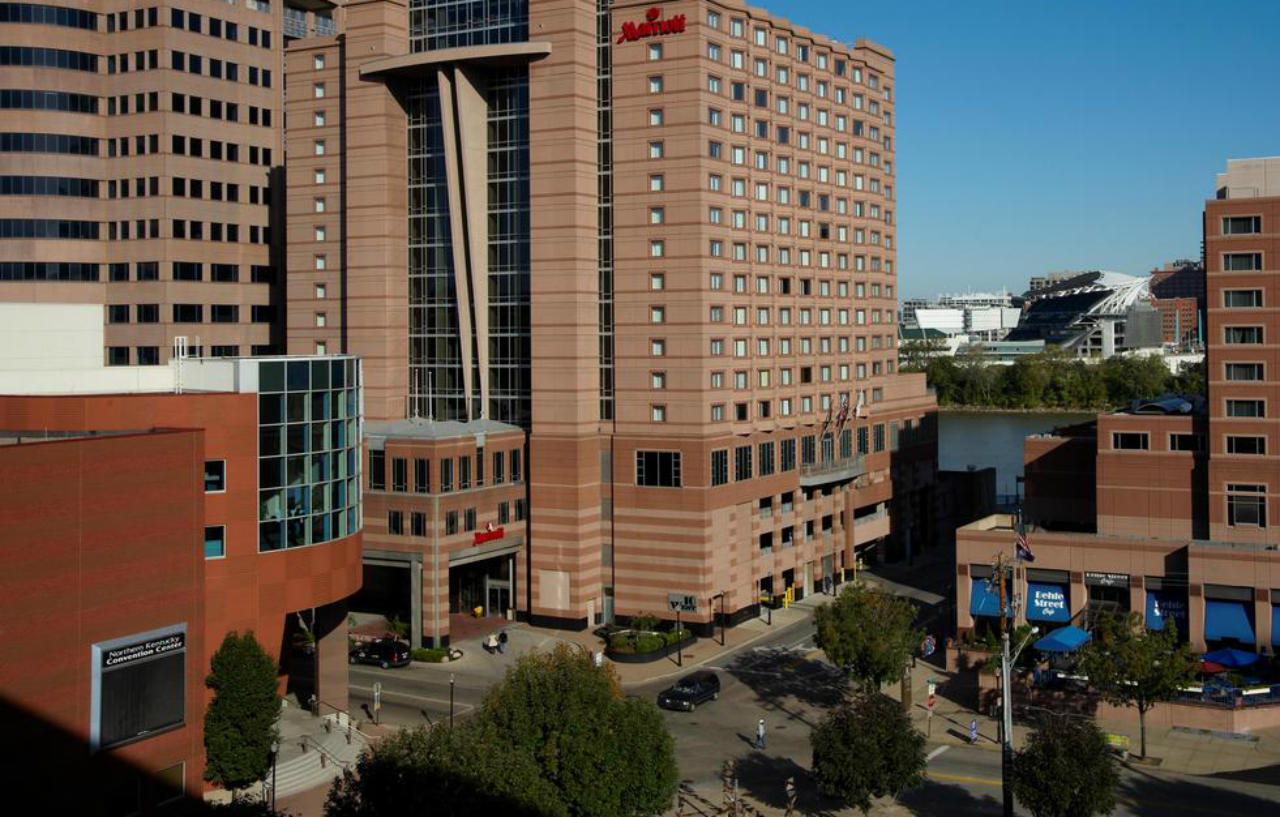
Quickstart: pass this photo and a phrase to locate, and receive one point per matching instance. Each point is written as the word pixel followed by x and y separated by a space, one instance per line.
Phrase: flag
pixel 1023 550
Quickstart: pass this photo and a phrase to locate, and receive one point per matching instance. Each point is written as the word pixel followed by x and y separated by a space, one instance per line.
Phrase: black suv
pixel 690 691
pixel 385 652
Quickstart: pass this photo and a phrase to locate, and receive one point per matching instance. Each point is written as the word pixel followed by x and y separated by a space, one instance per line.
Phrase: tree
pixel 867 748
pixel 1130 665
pixel 915 355
pixel 604 754
pixel 444 772
pixel 1065 770
pixel 869 633
pixel 240 725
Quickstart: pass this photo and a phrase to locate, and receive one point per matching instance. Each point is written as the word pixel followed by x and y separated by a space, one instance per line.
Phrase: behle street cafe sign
pixel 651 27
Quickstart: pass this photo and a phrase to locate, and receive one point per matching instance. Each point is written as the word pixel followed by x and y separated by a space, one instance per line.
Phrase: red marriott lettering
pixel 651 27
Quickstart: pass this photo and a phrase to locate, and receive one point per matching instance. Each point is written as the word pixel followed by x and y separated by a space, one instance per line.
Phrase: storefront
pixel 1048 596
pixel 1167 603
pixel 984 597
pixel 1108 593
pixel 1228 617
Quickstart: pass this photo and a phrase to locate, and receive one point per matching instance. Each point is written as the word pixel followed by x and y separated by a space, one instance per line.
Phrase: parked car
pixel 385 652
pixel 690 691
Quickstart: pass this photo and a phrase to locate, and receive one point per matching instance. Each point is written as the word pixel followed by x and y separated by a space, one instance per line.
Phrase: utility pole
pixel 1006 704
pixel 679 643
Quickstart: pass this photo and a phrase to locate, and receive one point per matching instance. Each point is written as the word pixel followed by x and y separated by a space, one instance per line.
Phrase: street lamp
pixel 679 643
pixel 1006 706
pixel 275 755
pixel 451 682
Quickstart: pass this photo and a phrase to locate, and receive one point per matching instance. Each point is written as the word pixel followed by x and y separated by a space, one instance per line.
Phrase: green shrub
pixel 644 621
pixel 432 655
pixel 650 642
pixel 676 636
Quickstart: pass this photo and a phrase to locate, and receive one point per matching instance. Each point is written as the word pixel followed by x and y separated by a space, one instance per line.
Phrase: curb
pixel 695 664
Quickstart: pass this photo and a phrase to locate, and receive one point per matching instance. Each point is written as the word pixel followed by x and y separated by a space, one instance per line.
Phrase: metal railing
pixel 326 756
pixel 350 728
pixel 1227 697
pixel 832 470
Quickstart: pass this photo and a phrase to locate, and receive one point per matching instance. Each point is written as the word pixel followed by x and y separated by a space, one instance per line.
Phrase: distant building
pixel 1177 292
pixel 1004 352
pixel 1093 314
pixel 979 315
pixel 1039 282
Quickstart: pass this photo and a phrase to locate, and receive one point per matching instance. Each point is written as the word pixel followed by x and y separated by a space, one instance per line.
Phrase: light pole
pixel 679 643
pixel 451 682
pixel 1006 707
pixel 275 755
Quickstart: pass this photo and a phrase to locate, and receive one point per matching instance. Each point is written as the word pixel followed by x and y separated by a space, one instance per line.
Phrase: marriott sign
pixel 651 27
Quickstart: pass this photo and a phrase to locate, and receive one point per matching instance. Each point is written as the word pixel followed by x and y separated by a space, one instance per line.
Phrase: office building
pixel 149 511
pixel 645 250
pixel 141 167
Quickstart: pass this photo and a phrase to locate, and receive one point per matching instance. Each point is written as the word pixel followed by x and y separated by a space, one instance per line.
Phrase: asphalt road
pixel 784 680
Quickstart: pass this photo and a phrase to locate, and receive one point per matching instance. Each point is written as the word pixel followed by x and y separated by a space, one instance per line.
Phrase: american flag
pixel 1023 550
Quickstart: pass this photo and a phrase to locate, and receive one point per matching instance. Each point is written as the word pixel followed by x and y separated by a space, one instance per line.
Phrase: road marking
pixel 387 693
pixel 936 752
pixel 959 778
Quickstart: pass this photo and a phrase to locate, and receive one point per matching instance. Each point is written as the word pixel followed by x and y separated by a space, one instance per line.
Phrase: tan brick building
pixel 141 166
pixel 656 239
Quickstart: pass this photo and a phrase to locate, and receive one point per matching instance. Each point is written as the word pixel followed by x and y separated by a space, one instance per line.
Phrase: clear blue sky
pixel 1040 135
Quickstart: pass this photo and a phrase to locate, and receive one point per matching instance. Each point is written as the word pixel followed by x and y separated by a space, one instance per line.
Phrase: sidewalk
pixel 524 638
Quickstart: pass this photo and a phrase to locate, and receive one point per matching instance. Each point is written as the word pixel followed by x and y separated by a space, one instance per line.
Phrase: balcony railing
pixel 824 471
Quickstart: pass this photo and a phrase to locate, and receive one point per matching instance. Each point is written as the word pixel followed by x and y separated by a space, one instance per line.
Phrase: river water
pixel 982 439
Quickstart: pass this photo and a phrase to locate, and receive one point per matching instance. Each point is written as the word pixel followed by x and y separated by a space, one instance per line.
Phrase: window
pixel 655 85
pixel 1244 371
pixel 655 51
pixel 418 523
pixel 1246 505
pixel 215 476
pixel 215 541
pixel 658 413
pixel 1246 408
pixel 658 469
pixel 421 475
pixel 395 523
pixel 450 523
pixel 655 150
pixel 469 519
pixel 1241 261
pixel 655 116
pixel 657 347
pixel 1242 334
pixel 1241 225
pixel 658 380
pixel 377 470
pixel 1130 440
pixel 742 463
pixel 1246 444
pixel 464 473
pixel 1185 442
pixel 766 459
pixel 1241 298
pixel 399 474
pixel 719 467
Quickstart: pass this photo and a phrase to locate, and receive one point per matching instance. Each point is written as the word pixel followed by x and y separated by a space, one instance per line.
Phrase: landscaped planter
pixel 628 656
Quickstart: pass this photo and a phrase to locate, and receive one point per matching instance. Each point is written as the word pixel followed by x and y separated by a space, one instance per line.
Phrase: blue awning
pixel 1275 625
pixel 1063 639
pixel 984 599
pixel 1047 602
pixel 1227 619
pixel 1166 604
pixel 1231 658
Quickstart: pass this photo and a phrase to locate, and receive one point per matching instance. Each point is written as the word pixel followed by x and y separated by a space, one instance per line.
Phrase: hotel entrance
pixel 486 585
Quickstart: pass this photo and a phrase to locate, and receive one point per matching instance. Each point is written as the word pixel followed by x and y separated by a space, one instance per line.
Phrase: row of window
pixel 787 406
pixel 742 347
pixel 223 151
pixel 737 92
pixel 221 29
pixel 657 281
pixel 186 229
pixel 803 198
pixel 189 313
pixel 48 186
pixel 1235 443
pixel 189 188
pixel 48 15
pixel 218 69
pixel 48 228
pixel 48 143
pixel 804 316
pixel 150 355
pixel 192 271
pixel 47 271
pixel 227 111
pixel 804 140
pixel 448 467
pixel 418 520
pixel 19 55
pixel 25 99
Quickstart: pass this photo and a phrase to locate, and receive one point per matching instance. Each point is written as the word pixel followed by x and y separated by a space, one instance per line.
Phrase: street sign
pixel 973 731
pixel 682 603
pixel 931 687
pixel 932 701
pixel 377 695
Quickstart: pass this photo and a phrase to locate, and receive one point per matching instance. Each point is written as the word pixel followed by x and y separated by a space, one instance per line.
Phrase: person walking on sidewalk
pixel 760 731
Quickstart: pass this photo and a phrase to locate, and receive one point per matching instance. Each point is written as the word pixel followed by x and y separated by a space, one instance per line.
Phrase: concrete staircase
pixel 315 756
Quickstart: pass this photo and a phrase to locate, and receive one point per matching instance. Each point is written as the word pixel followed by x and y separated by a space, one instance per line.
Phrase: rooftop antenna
pixel 178 354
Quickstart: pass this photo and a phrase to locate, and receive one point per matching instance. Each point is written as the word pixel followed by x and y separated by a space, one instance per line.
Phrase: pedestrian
pixel 760 734
pixel 502 641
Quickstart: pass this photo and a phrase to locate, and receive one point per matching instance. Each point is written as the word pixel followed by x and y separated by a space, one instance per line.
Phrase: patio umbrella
pixel 1210 668
pixel 1063 639
pixel 1231 658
